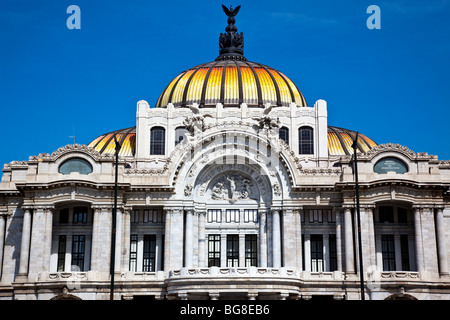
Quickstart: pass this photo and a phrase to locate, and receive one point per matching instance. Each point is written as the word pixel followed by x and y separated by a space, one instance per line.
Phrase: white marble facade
pixel 230 212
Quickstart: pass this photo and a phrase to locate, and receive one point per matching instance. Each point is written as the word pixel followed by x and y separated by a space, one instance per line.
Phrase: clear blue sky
pixel 391 84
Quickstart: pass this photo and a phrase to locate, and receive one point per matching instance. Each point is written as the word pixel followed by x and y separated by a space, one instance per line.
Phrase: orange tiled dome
pixel 231 82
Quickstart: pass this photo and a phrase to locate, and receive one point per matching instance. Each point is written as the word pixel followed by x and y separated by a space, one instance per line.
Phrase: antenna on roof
pixel 73 136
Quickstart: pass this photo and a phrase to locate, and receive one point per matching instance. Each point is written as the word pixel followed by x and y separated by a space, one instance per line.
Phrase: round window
pixel 75 165
pixel 390 164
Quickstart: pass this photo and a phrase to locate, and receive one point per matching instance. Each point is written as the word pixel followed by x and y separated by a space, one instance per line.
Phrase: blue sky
pixel 391 84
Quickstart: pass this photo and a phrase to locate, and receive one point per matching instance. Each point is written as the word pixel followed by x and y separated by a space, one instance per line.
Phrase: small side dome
pixel 105 143
pixel 340 141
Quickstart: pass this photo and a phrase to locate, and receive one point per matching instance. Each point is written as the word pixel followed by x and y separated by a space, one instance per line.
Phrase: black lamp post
pixel 114 219
pixel 358 214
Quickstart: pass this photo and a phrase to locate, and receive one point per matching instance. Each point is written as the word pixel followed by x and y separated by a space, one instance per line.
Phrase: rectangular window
pixel 78 246
pixel 232 250
pixel 133 252
pixel 155 216
pixel 386 214
pixel 149 254
pixel 214 215
pixel 61 253
pixel 331 215
pixel 405 252
pixel 232 215
pixel 250 215
pixel 251 250
pixel 388 252
pixel 146 216
pixel 332 251
pixel 316 215
pixel 134 216
pixel 64 216
pixel 157 141
pixel 402 215
pixel 316 253
pixel 80 214
pixel 214 250
pixel 306 140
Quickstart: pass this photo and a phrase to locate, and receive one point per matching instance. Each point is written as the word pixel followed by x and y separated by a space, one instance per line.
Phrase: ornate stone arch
pixel 208 151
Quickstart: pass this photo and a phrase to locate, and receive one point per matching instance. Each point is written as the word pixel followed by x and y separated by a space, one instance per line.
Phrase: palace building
pixel 230 187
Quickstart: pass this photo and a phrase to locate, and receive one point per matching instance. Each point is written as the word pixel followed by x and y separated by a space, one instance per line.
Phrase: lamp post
pixel 358 214
pixel 114 219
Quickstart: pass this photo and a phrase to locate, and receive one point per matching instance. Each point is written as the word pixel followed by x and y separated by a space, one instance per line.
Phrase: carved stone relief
pixel 233 187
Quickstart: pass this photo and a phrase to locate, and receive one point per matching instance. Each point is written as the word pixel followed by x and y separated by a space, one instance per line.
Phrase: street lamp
pixel 358 213
pixel 114 219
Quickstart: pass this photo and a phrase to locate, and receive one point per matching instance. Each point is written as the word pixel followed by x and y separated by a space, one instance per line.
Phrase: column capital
pixel 6 213
pixel 425 206
pixel 174 209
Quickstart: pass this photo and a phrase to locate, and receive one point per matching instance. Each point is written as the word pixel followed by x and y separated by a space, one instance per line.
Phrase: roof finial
pixel 231 44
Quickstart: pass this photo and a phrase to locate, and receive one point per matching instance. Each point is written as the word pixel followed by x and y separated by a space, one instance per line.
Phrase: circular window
pixel 75 165
pixel 390 164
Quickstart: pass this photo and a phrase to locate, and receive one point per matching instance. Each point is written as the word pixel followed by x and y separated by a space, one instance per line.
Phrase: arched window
pixel 179 134
pixel 75 165
pixel 157 140
pixel 283 134
pixel 305 140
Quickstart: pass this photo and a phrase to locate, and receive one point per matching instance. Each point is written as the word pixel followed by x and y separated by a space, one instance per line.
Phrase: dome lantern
pixel 231 44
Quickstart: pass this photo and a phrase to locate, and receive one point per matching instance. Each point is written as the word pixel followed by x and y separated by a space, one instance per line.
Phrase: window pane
pixel 157 141
pixel 75 165
pixel 214 250
pixel 251 253
pixel 149 254
pixel 316 253
pixel 78 253
pixel 133 252
pixel 284 134
pixel 232 251
pixel 388 252
pixel 306 140
pixel 405 252
pixel 61 253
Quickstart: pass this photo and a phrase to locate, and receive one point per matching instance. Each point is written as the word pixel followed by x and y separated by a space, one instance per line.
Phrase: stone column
pixel 441 242
pixel 307 252
pixel 25 245
pixel 262 239
pixel 348 241
pixel 326 252
pixel 298 227
pixel 368 236
pixel 2 237
pixel 118 244
pixel 202 261
pixel 101 241
pixel 276 242
pixel 338 212
pixel 159 253
pixel 167 241
pixel 241 250
pixel 41 241
pixel 419 241
pixel 429 240
pixel 126 239
pixel 188 248
pixel 289 238
pixel 174 239
pixel 223 250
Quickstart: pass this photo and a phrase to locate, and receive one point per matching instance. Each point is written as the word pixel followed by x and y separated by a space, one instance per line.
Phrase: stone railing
pixel 233 272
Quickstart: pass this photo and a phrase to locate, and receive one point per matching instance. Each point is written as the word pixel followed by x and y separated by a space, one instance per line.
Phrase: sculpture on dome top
pixel 231 44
